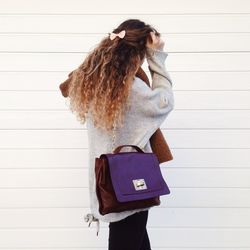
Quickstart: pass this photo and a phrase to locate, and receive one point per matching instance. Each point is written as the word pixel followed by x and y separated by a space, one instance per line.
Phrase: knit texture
pixel 148 110
pixel 158 141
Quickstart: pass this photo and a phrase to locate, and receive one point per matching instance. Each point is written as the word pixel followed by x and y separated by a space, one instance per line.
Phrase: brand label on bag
pixel 139 184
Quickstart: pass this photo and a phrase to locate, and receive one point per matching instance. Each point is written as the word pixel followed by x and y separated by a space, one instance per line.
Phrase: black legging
pixel 130 233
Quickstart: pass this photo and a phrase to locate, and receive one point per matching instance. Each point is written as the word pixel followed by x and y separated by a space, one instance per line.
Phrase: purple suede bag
pixel 136 175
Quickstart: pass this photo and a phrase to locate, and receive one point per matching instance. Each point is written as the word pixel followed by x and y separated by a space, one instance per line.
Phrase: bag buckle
pixel 139 184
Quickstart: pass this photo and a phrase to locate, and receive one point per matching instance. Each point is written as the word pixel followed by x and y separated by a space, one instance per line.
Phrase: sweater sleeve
pixel 152 105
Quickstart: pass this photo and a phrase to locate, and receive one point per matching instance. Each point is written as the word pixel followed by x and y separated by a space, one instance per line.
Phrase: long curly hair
pixel 101 84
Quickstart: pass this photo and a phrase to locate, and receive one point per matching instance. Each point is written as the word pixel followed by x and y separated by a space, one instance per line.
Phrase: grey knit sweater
pixel 150 107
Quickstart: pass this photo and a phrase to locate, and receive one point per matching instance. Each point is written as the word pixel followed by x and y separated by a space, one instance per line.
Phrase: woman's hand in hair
pixel 157 42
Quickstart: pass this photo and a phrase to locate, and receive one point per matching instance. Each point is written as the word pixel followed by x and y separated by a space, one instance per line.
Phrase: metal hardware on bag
pixel 113 137
pixel 139 184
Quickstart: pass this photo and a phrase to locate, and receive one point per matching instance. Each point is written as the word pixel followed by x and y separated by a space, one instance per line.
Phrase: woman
pixel 104 91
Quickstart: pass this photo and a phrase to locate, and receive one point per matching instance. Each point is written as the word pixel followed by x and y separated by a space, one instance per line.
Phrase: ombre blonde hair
pixel 101 84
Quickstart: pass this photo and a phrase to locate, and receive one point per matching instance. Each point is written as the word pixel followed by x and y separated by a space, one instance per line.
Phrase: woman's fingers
pixel 157 42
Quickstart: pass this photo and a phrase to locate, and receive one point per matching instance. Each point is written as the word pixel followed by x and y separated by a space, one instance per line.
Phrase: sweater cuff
pixel 156 54
pixel 156 63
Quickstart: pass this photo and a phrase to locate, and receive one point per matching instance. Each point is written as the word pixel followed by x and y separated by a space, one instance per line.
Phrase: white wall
pixel 43 149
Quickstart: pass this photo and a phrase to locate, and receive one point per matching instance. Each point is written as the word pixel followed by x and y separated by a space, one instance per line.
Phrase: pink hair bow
pixel 121 34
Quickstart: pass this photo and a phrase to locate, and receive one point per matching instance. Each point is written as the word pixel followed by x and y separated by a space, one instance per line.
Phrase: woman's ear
pixel 150 38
